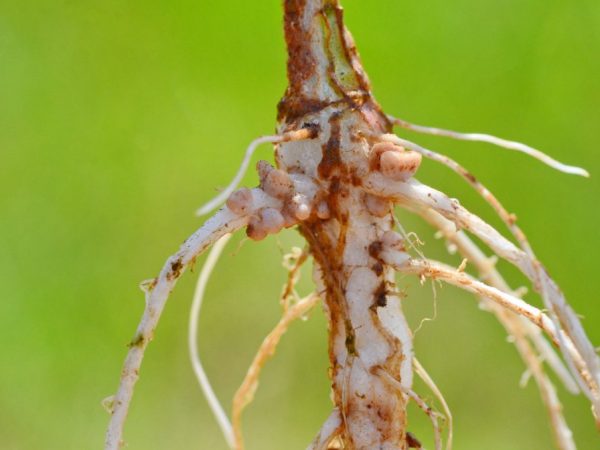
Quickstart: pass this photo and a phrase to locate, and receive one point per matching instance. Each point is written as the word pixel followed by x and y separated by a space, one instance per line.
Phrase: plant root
pixel 338 174
pixel 583 362
pixel 519 330
pixel 481 137
pixel 246 391
pixel 438 271
pixel 515 327
pixel 508 218
pixel 424 376
pixel 510 222
pixel 421 404
pixel 203 381
pixel 223 222
pixel 292 262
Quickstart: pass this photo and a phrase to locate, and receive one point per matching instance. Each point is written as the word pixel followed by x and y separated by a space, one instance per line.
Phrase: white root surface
pixel 222 223
pixel 201 376
pixel 504 143
pixel 579 353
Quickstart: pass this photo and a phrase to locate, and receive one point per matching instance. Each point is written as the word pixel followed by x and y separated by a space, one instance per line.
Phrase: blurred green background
pixel 119 118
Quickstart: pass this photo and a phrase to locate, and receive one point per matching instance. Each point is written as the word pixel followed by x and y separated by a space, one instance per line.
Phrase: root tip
pixel 202 211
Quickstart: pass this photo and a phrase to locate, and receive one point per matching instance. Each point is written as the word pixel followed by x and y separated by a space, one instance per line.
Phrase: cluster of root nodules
pixel 296 197
pixel 292 205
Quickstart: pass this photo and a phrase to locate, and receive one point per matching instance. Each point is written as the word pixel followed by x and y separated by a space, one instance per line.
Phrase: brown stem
pixel 323 66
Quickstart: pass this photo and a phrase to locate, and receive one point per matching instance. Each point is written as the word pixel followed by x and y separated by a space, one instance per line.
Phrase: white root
pixel 274 139
pixel 583 362
pixel 437 434
pixel 511 145
pixel 424 376
pixel 564 440
pixel 203 381
pixel 222 223
pixel 516 330
pixel 246 391
pixel 234 440
pixel 474 253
